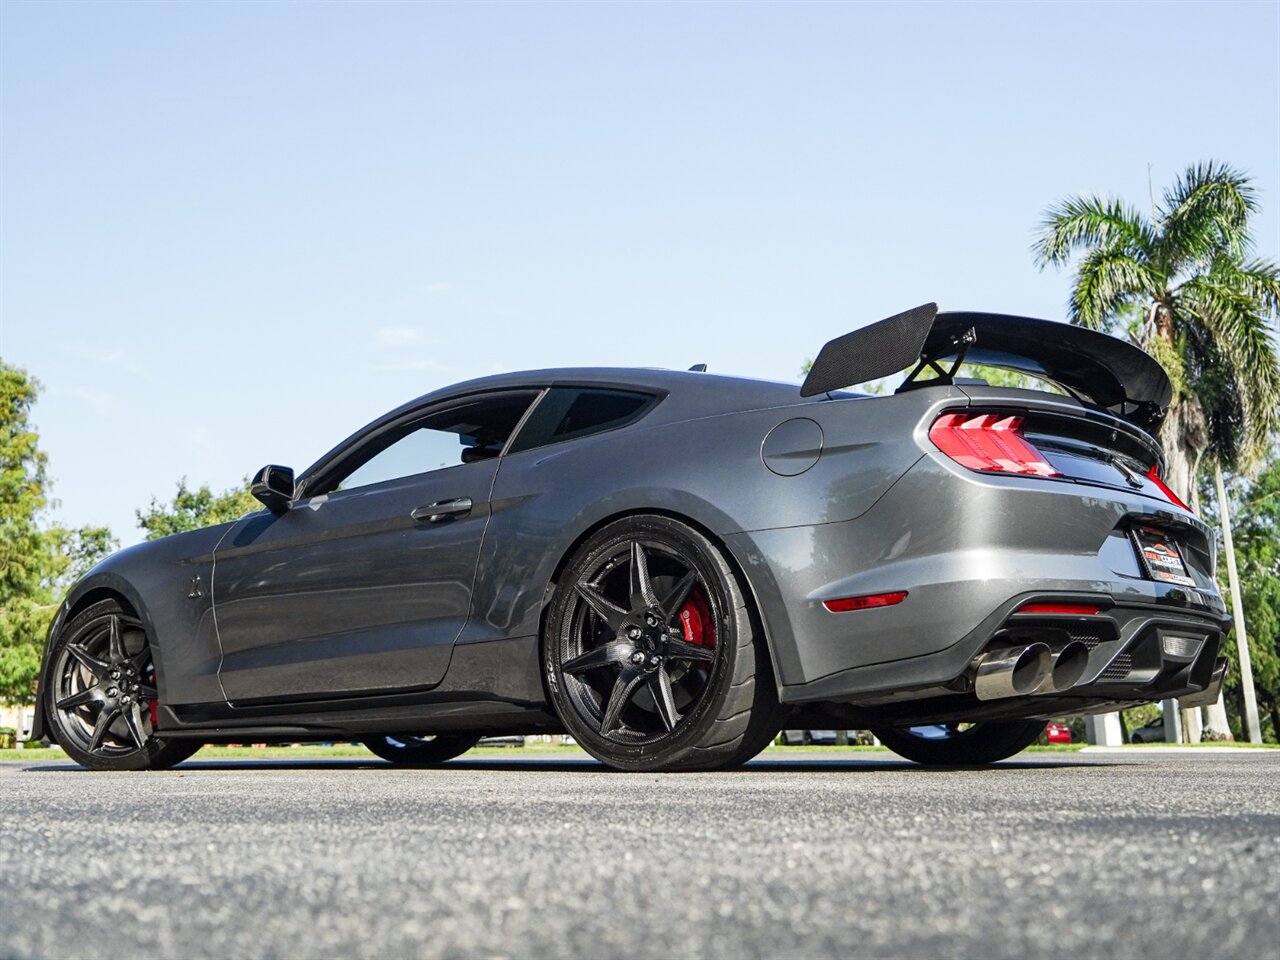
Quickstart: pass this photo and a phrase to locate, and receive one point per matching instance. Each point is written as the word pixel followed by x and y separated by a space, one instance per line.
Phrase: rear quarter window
pixel 567 413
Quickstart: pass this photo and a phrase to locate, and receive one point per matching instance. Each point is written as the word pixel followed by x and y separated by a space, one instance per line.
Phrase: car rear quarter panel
pixel 709 470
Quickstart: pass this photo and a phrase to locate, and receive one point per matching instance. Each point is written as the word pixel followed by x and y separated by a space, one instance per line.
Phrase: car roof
pixel 687 394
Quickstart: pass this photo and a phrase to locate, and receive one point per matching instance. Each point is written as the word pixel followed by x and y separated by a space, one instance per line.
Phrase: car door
pixel 364 583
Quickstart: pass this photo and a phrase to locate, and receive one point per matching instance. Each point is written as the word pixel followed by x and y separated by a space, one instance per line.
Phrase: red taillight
pixel 1154 476
pixel 1069 609
pixel 845 604
pixel 988 444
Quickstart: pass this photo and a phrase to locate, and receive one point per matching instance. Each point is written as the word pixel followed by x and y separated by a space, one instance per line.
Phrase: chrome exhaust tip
pixel 1012 671
pixel 1069 665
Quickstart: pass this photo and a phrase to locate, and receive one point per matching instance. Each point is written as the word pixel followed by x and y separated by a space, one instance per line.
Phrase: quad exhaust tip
pixel 1068 667
pixel 1028 670
pixel 1014 671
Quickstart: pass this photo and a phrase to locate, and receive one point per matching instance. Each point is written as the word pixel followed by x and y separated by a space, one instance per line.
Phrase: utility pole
pixel 1237 612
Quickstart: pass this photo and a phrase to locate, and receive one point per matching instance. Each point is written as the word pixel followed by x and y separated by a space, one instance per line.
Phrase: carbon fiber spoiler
pixel 1093 367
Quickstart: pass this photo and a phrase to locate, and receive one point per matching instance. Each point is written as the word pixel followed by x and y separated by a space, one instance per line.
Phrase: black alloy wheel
pixel 102 694
pixel 960 744
pixel 650 652
pixel 427 750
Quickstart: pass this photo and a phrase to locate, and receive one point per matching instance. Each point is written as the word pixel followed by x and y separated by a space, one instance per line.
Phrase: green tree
pixel 37 563
pixel 1184 285
pixel 1255 520
pixel 193 509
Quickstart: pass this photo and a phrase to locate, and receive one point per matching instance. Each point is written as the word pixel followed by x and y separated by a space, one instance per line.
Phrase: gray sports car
pixel 672 566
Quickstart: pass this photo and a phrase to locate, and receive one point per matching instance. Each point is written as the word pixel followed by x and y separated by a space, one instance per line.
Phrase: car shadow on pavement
pixel 571 765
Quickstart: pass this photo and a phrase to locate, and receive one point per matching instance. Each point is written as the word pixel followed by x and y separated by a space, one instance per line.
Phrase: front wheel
pixel 425 751
pixel 650 655
pixel 960 744
pixel 102 694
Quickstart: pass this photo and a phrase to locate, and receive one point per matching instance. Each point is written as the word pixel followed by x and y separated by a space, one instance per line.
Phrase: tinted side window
pixel 461 433
pixel 569 412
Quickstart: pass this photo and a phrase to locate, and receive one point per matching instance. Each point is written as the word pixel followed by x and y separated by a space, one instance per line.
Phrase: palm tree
pixel 1184 285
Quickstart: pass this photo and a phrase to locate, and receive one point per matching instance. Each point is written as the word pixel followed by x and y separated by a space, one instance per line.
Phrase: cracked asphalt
pixel 1148 853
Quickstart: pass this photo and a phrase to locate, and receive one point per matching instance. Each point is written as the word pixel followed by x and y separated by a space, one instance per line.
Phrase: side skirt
pixel 491 687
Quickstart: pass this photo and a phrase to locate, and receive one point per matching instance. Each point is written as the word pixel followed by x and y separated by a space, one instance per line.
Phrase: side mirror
pixel 273 485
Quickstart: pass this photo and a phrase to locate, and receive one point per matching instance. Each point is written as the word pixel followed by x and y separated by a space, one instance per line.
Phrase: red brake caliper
pixel 153 704
pixel 695 618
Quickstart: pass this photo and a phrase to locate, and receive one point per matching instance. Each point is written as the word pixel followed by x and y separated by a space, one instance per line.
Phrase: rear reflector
pixel 1068 609
pixel 1154 476
pixel 988 444
pixel 845 604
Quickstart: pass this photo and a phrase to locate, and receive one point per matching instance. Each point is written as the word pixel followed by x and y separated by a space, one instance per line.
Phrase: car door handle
pixel 443 510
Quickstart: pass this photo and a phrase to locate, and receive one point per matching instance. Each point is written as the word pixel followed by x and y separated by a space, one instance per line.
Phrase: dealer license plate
pixel 1162 557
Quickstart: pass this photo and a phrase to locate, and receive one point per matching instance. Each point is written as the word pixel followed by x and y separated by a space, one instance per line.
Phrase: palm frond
pixel 1246 353
pixel 1206 212
pixel 1109 278
pixel 1080 222
pixel 1259 280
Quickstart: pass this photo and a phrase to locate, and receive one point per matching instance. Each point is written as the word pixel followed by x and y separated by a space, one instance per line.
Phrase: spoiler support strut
pixel 959 346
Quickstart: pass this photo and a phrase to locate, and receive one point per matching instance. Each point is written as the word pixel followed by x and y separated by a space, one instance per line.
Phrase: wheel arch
pixel 97 595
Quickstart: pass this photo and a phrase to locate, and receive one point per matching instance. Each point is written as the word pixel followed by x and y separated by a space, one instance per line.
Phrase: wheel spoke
pixel 623 689
pixel 641 588
pixel 88 661
pixel 605 609
pixel 92 694
pixel 133 720
pixel 665 698
pixel 675 599
pixel 115 643
pixel 105 719
pixel 683 650
pixel 602 656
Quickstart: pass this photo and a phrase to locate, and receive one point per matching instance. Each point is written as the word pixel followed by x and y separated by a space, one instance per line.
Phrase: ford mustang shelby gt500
pixel 672 566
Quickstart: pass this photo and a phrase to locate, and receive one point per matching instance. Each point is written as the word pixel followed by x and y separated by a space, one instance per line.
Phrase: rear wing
pixel 1093 367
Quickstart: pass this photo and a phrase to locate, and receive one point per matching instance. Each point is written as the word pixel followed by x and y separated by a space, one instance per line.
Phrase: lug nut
pixel 637 657
pixel 125 698
pixel 634 633
pixel 113 692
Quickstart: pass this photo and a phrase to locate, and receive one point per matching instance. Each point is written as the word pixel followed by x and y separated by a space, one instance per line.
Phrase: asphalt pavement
pixel 1140 854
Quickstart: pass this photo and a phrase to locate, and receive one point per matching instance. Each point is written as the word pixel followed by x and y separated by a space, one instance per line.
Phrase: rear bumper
pixel 968 549
pixel 1137 654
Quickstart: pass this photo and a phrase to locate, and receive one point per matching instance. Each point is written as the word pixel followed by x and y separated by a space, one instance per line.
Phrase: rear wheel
pixel 424 751
pixel 650 654
pixel 102 694
pixel 960 744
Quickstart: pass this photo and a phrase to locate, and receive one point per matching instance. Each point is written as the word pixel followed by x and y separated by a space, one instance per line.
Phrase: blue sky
pixel 231 233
